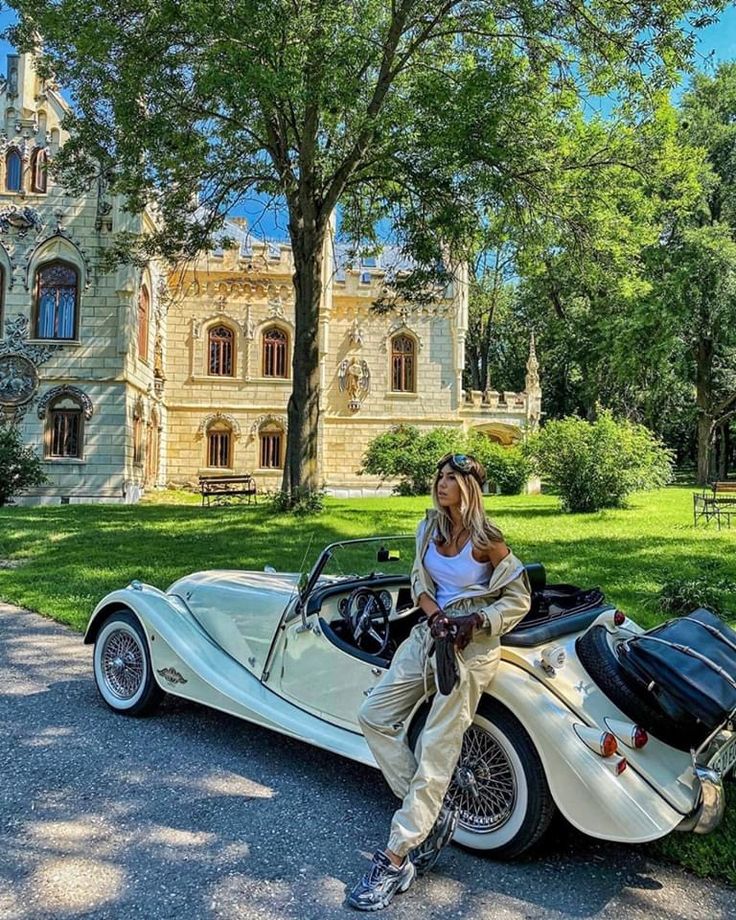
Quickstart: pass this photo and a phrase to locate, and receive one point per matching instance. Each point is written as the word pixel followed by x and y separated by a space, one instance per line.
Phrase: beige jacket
pixel 502 603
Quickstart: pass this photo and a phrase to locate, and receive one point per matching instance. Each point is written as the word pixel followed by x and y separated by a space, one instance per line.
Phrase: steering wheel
pixel 368 620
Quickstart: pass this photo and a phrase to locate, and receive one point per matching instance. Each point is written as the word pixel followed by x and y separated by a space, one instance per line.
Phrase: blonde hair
pixel 482 530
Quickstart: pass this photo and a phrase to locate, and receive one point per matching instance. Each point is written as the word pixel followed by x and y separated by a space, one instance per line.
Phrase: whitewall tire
pixel 122 666
pixel 498 786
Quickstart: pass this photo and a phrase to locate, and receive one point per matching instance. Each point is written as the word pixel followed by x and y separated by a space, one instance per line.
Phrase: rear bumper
pixel 712 803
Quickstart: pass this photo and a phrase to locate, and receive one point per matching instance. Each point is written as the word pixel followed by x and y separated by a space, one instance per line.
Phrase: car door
pixel 317 675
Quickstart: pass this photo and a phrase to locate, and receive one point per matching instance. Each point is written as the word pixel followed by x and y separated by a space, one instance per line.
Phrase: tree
pixel 425 110
pixel 701 268
pixel 20 466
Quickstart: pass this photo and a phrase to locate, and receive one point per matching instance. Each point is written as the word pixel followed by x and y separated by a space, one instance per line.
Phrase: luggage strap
pixel 714 632
pixel 686 650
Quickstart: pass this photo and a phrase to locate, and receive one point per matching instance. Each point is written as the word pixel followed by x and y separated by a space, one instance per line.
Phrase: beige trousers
pixel 421 779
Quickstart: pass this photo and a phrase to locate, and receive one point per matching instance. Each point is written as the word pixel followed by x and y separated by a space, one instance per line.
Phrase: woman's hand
pixel 439 625
pixel 462 628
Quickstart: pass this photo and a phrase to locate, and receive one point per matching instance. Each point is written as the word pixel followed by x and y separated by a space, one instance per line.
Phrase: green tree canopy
pixel 432 112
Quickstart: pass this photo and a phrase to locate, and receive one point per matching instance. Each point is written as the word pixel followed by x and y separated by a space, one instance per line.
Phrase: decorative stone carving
pixel 20 219
pixel 275 310
pixel 209 420
pixel 65 235
pixel 103 219
pixel 354 377
pixel 532 369
pixel 356 333
pixel 18 380
pixel 267 420
pixel 396 327
pixel 18 368
pixel 66 390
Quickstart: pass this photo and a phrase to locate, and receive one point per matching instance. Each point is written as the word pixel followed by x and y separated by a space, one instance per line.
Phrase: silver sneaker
pixel 427 853
pixel 378 886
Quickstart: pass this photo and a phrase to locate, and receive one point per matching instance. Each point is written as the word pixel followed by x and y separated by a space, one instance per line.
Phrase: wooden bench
pixel 715 504
pixel 221 489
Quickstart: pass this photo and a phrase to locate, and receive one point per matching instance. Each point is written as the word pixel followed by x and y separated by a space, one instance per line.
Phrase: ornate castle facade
pixel 129 380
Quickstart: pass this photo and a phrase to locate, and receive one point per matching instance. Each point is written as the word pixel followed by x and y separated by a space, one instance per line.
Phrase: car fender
pixel 187 663
pixel 584 786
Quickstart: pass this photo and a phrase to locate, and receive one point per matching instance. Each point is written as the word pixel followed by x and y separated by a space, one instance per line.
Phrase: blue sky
pixel 715 44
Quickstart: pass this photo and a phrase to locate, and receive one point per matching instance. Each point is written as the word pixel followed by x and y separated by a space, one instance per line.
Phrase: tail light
pixel 621 766
pixel 633 736
pixel 619 618
pixel 601 742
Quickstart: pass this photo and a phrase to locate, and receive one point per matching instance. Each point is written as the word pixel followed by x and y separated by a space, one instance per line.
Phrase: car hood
pixel 240 611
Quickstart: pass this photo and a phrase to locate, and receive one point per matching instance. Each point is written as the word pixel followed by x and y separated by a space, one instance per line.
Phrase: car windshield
pixel 392 555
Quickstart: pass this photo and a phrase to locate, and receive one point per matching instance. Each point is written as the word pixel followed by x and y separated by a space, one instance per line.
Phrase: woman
pixel 471 586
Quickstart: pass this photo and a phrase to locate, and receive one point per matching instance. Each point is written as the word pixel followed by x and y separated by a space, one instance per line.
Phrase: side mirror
pixel 269 569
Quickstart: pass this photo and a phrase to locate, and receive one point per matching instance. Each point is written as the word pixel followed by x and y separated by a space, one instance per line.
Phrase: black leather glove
pixel 439 625
pixel 462 628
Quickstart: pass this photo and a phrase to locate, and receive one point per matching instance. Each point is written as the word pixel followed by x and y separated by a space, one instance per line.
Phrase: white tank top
pixel 455 576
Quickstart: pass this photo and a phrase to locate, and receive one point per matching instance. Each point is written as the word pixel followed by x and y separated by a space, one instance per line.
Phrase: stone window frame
pixel 403 334
pixel 138 419
pixel 276 327
pixel 232 329
pixel 219 431
pixel 13 153
pixel 266 435
pixel 144 323
pixel 40 268
pixel 39 171
pixel 50 409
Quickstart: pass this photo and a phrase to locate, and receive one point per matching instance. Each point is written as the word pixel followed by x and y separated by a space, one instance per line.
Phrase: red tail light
pixel 609 745
pixel 619 618
pixel 621 766
pixel 639 737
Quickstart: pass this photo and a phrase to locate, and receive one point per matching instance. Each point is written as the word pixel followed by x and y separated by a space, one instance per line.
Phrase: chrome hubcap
pixel 122 664
pixel 484 786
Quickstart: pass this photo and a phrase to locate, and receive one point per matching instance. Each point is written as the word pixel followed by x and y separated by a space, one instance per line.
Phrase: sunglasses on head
pixel 461 463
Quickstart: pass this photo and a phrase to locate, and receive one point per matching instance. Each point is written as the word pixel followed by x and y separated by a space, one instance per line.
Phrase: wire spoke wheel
pixel 484 783
pixel 123 664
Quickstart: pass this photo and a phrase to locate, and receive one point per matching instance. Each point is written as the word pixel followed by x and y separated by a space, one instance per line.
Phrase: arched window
pixel 64 429
pixel 144 302
pixel 138 432
pixel 39 168
pixel 221 342
pixel 275 348
pixel 403 364
pixel 57 296
pixel 271 450
pixel 152 448
pixel 13 171
pixel 219 446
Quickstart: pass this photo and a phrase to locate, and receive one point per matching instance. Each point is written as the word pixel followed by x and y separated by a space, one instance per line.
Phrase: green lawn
pixel 62 560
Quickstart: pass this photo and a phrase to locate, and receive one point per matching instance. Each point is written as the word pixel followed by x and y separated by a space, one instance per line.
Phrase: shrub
pixel 596 465
pixel 508 468
pixel 20 466
pixel 302 502
pixel 680 596
pixel 411 456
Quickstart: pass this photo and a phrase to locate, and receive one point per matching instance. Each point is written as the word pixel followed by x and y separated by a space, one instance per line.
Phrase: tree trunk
pixel 721 446
pixel 704 400
pixel 301 465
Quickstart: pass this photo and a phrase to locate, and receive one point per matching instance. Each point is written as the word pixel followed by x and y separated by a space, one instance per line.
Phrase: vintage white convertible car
pixel 299 653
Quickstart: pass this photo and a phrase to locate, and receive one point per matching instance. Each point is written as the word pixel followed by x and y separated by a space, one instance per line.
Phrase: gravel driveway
pixel 192 814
